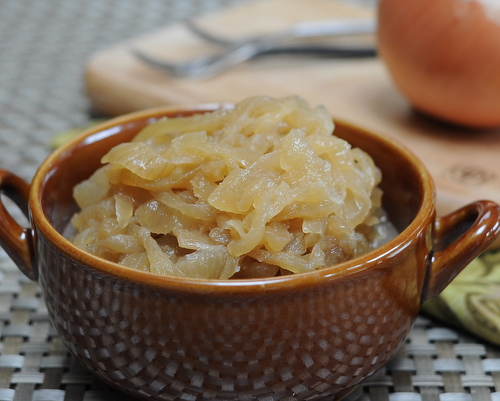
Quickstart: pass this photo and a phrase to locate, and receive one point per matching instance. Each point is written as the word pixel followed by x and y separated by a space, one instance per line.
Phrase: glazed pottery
pixel 308 336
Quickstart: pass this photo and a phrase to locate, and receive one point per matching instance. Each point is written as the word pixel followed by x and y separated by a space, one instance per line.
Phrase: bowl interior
pixel 405 182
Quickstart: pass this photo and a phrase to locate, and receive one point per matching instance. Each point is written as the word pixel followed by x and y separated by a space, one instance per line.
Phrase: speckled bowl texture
pixel 309 336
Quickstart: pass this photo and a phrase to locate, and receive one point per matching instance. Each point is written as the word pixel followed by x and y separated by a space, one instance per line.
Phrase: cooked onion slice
pixel 259 190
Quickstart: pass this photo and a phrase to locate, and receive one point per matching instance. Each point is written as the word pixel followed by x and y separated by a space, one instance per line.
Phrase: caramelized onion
pixel 259 190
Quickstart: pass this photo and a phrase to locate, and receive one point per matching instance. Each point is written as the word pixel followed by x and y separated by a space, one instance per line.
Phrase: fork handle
pixel 327 51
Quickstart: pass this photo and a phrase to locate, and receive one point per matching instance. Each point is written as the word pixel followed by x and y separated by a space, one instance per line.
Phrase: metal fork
pixel 207 66
pixel 336 27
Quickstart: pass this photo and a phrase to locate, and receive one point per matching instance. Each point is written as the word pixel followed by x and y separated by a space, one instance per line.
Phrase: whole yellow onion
pixel 444 56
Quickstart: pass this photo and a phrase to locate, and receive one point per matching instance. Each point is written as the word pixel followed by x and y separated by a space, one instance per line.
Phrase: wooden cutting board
pixel 464 164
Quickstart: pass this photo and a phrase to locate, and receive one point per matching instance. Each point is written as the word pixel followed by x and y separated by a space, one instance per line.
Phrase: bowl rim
pixel 350 267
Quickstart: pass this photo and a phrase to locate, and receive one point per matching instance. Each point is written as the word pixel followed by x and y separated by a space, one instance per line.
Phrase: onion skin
pixel 444 56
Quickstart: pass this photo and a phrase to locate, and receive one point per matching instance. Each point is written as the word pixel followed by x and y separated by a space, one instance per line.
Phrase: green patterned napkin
pixel 472 300
pixel 66 136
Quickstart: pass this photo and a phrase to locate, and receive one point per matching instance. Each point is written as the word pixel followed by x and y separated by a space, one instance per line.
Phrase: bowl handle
pixel 460 237
pixel 16 240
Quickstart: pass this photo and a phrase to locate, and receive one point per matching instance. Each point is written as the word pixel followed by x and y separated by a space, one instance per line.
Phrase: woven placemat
pixel 44 45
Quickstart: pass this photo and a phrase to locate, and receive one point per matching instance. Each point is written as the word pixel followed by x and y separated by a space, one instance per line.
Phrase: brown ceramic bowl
pixel 297 337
